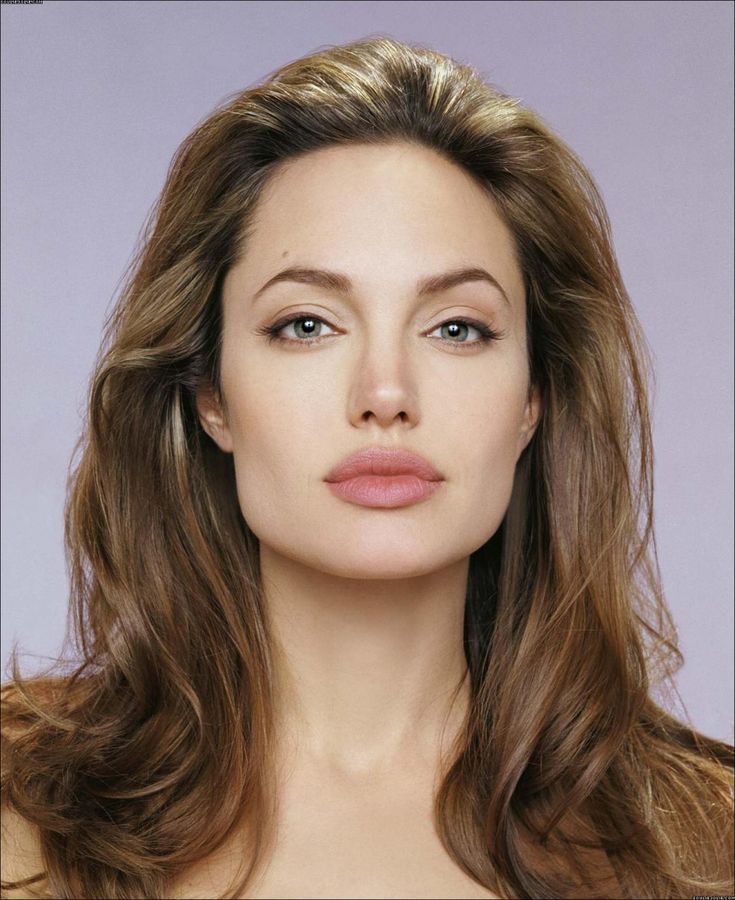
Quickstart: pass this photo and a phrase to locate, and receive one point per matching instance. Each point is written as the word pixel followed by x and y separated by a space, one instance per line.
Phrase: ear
pixel 531 418
pixel 213 419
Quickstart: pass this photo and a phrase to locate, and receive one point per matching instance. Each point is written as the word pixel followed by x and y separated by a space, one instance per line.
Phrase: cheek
pixel 278 431
pixel 490 416
pixel 489 449
pixel 490 458
pixel 486 479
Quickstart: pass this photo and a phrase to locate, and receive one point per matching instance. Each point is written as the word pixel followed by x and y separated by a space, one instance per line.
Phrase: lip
pixel 384 478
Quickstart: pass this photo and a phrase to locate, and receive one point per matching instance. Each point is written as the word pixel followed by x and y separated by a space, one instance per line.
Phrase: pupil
pixel 453 328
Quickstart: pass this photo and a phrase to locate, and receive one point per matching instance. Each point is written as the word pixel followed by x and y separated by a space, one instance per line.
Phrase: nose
pixel 383 387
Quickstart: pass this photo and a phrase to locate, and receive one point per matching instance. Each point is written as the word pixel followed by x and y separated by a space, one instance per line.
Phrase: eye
pixel 306 326
pixel 458 328
pixel 308 330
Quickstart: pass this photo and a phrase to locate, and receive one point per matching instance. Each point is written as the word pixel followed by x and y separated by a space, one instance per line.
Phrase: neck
pixel 370 674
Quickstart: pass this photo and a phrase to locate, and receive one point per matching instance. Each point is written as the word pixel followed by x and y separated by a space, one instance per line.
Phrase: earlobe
pixel 213 420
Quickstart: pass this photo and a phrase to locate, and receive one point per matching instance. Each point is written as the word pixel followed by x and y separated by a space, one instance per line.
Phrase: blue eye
pixel 311 328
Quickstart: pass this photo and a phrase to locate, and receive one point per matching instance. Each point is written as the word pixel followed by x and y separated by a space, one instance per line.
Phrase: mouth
pixel 384 478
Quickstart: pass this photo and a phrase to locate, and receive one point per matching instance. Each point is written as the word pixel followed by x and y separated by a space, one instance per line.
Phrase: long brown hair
pixel 156 746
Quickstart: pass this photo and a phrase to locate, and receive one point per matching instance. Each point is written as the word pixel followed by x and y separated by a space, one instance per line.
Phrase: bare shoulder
pixel 20 855
pixel 20 848
pixel 19 839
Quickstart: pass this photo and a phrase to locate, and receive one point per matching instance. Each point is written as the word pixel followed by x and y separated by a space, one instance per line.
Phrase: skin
pixel 367 604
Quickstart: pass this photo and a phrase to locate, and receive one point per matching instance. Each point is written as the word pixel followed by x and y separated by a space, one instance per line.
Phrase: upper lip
pixel 383 461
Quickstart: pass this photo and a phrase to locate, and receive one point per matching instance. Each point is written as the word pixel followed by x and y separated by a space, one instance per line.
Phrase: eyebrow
pixel 337 282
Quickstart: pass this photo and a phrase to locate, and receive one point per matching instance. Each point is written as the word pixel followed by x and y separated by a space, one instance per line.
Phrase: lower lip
pixel 384 491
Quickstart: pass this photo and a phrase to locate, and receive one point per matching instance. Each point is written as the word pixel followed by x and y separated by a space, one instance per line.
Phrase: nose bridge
pixel 383 379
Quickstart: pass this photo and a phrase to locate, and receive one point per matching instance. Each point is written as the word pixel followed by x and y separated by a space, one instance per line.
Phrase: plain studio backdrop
pixel 97 96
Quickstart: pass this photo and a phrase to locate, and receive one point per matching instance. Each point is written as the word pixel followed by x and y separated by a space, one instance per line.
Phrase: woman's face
pixel 390 368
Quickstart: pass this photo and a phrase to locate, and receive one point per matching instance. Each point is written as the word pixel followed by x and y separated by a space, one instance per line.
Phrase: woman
pixel 360 532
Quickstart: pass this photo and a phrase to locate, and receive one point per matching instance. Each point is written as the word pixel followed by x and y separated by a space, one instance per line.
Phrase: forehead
pixel 382 213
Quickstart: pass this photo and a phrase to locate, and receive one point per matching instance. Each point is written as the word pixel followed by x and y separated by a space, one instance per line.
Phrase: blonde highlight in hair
pixel 570 779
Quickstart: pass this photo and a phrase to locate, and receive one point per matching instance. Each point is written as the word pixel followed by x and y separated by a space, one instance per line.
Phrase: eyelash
pixel 271 332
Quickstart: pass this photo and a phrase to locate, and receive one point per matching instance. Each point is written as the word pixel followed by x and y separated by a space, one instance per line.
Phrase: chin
pixel 367 565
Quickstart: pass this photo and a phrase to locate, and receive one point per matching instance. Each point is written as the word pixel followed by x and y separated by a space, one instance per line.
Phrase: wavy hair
pixel 569 778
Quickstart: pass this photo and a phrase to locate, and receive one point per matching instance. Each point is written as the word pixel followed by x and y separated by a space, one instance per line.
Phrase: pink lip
pixel 381 477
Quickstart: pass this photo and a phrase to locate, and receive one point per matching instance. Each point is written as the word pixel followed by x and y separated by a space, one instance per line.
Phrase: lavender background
pixel 97 96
